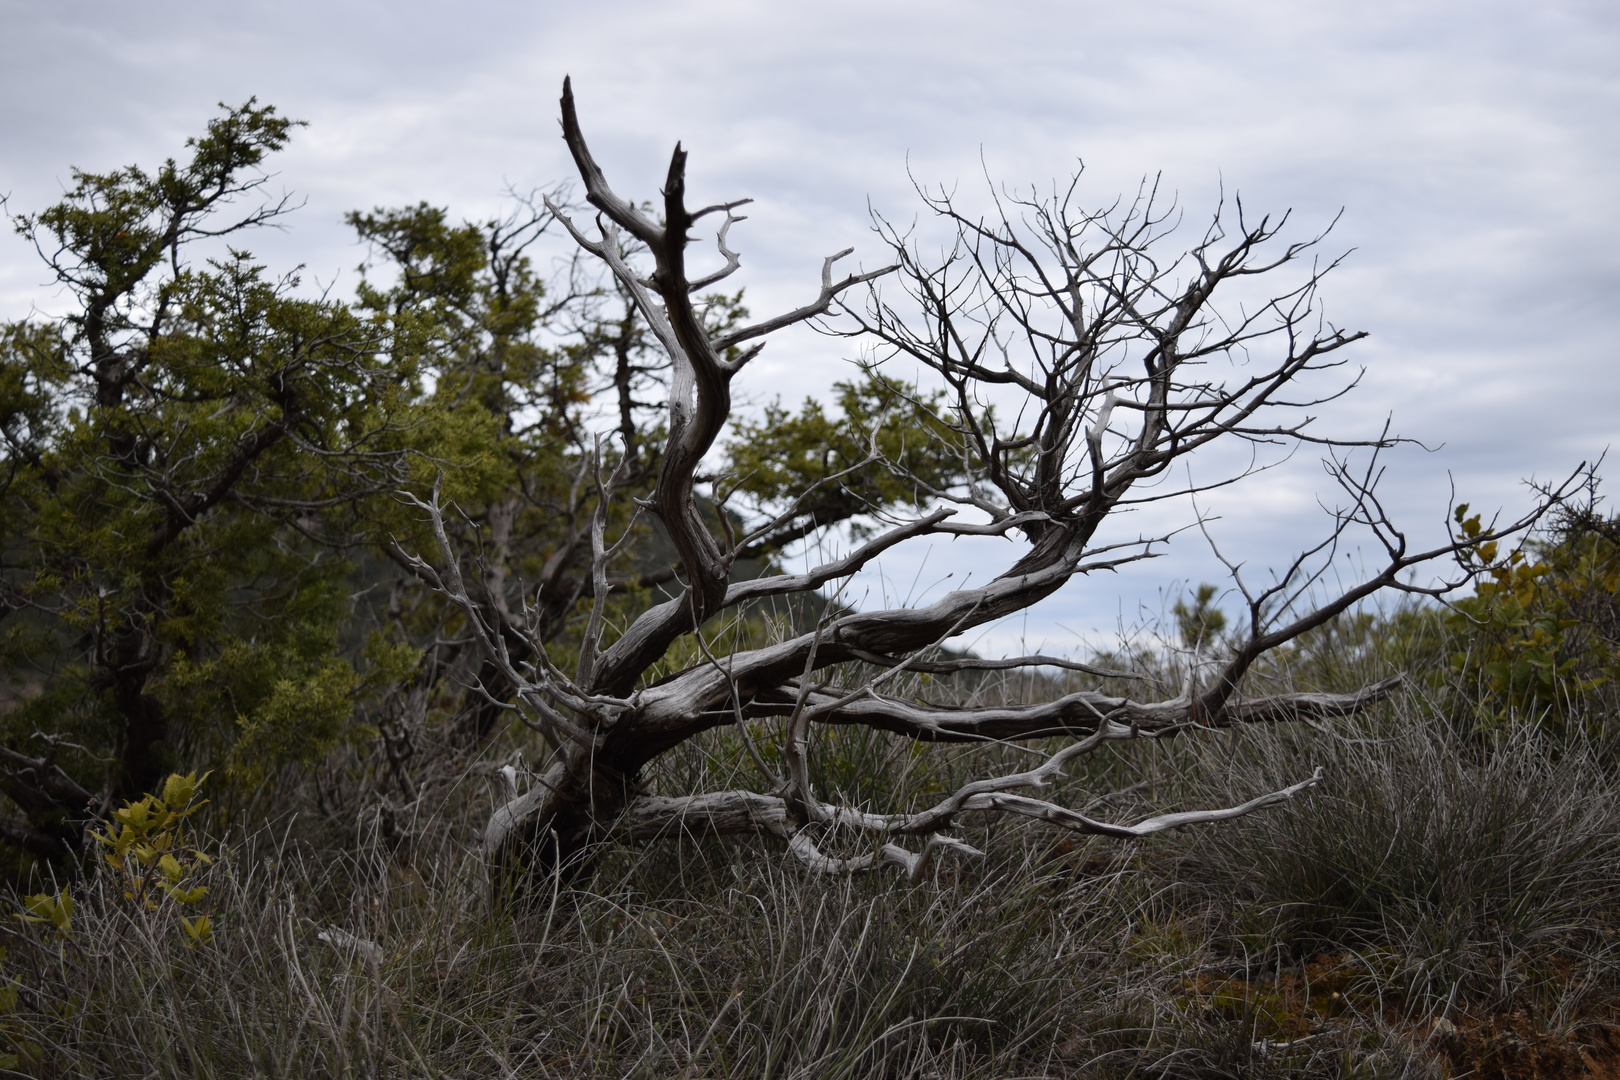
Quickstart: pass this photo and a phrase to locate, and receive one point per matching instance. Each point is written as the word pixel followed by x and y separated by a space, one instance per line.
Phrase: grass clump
pixel 708 959
pixel 1444 903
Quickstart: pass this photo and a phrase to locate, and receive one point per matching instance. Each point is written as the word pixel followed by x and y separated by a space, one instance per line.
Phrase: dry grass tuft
pixel 1439 906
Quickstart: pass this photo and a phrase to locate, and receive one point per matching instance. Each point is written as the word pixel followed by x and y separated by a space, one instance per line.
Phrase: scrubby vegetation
pixel 1444 903
pixel 256 746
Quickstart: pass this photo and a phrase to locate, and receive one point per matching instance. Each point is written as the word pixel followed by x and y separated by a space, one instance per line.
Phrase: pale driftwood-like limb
pixel 601 557
pixel 718 813
pixel 732 813
pixel 1077 714
pixel 973 663
pixel 344 942
pixel 733 260
pixel 1078 822
pixel 830 291
pixel 936 522
pixel 913 863
pixel 1126 363
pixel 510 817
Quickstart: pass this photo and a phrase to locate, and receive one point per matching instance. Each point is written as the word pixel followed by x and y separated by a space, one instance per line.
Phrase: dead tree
pixel 1119 365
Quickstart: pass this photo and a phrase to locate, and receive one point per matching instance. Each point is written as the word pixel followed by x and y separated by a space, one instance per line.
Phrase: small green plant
pixel 19 1050
pixel 1537 636
pixel 1201 622
pixel 148 847
pixel 55 909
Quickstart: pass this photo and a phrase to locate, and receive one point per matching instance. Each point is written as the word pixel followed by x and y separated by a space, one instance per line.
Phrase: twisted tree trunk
pixel 1121 375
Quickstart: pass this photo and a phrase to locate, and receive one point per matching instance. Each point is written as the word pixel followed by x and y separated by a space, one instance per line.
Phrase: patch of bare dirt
pixel 1320 997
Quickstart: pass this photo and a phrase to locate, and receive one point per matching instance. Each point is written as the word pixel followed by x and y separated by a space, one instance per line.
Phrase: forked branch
pixel 1075 360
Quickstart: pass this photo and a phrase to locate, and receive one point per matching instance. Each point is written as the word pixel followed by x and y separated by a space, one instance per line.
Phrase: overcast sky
pixel 1473 147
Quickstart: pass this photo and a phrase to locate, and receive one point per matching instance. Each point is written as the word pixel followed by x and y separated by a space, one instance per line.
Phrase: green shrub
pixel 1540 637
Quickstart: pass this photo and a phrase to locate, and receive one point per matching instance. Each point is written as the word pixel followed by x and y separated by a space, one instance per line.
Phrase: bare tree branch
pixel 1119 357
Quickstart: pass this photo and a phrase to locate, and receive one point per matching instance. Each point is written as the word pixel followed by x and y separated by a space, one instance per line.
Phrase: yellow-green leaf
pixel 44 907
pixel 200 930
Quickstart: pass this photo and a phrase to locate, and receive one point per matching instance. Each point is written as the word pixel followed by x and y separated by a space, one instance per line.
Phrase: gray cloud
pixel 1472 147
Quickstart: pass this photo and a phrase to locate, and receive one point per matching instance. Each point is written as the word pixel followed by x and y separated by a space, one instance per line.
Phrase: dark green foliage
pixel 1540 637
pixel 197 455
pixel 889 445
pixel 171 443
pixel 200 534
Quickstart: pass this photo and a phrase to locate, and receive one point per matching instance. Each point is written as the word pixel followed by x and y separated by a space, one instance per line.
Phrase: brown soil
pixel 1509 1046
pixel 1320 997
